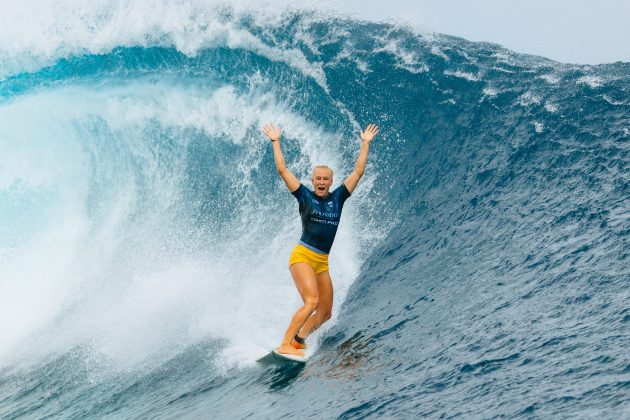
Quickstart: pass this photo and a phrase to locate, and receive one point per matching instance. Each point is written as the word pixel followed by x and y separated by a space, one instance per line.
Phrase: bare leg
pixel 306 283
pixel 324 308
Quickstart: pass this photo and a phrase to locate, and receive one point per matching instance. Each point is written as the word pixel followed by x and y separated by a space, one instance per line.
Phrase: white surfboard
pixel 278 358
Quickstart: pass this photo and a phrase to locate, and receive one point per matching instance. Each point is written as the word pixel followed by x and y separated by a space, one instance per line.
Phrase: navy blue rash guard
pixel 320 217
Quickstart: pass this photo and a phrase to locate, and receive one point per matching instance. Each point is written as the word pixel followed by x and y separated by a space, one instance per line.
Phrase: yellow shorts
pixel 319 262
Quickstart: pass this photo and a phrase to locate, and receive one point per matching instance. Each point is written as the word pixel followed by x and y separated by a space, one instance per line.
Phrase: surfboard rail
pixel 273 357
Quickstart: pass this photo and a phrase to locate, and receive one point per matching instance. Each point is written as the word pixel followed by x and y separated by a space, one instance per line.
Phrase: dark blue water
pixel 481 267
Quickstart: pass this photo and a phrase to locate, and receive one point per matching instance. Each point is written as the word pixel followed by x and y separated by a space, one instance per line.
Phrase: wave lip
pixel 37 35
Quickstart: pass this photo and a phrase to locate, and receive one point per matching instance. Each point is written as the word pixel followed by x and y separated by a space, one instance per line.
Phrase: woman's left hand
pixel 369 133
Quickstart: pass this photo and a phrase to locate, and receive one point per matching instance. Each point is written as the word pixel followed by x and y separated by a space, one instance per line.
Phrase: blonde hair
pixel 323 167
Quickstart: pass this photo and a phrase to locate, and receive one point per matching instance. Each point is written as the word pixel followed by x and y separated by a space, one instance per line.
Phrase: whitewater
pixel 481 267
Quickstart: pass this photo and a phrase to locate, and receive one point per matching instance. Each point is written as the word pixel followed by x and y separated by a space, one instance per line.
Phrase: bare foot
pixel 289 349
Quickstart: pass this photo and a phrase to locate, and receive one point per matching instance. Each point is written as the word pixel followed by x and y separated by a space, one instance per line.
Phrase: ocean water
pixel 481 268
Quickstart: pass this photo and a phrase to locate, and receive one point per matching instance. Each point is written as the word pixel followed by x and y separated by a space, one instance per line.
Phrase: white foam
pixel 406 59
pixel 551 78
pixel 438 52
pixel 591 81
pixel 612 101
pixel 35 265
pixel 503 57
pixel 488 92
pixel 529 98
pixel 462 75
pixel 551 107
pixel 35 34
pixel 502 70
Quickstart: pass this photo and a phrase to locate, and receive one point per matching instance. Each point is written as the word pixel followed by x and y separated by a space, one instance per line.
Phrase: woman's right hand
pixel 272 132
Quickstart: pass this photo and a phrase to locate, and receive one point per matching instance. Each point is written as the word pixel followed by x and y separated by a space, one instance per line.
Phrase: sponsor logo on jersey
pixel 325 214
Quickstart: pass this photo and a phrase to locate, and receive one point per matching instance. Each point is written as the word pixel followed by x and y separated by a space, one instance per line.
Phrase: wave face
pixel 480 269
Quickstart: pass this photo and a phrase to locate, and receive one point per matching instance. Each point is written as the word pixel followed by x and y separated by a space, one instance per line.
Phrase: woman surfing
pixel 320 211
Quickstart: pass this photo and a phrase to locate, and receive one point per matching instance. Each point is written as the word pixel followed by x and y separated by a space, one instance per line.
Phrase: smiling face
pixel 322 180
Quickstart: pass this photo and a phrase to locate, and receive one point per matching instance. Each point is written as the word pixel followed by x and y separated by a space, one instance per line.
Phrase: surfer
pixel 320 211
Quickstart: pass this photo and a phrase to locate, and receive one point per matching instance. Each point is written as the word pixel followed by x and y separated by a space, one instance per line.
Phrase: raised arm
pixel 359 168
pixel 274 135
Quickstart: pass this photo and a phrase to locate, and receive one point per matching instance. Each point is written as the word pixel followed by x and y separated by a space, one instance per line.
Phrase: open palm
pixel 272 132
pixel 369 133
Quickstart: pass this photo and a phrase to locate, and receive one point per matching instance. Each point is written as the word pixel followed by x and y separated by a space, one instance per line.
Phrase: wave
pixel 144 231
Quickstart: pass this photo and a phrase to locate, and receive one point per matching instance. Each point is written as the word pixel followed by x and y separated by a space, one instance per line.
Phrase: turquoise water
pixel 480 269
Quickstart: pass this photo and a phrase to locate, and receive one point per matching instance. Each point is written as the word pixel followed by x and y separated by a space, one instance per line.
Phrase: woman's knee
pixel 311 302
